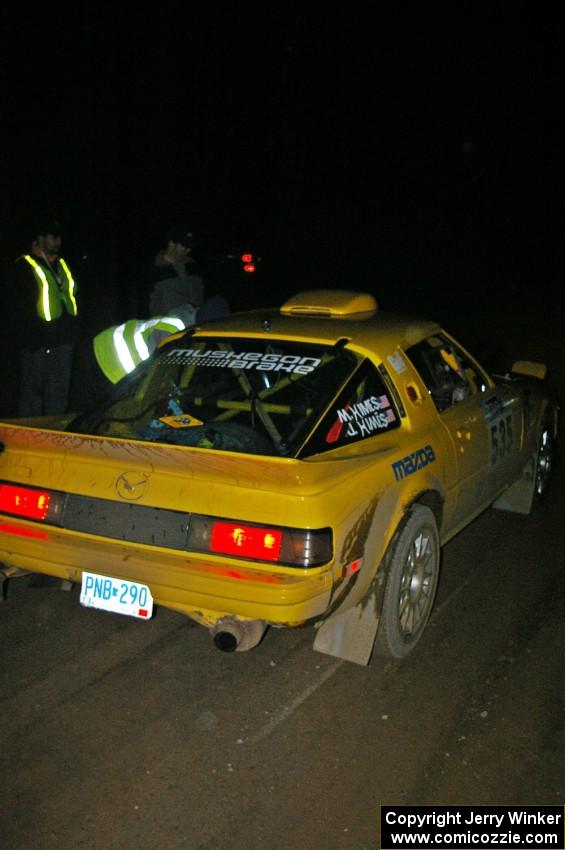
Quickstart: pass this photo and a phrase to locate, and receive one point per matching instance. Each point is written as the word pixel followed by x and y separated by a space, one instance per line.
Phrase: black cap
pixel 182 236
pixel 51 226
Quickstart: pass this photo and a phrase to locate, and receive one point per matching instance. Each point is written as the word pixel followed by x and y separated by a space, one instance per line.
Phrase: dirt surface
pixel 123 734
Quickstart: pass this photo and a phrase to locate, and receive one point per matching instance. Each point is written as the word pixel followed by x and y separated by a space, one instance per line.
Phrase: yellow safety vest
pixel 54 296
pixel 120 349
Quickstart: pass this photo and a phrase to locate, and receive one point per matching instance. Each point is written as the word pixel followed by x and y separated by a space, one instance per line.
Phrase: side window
pixel 363 409
pixel 446 371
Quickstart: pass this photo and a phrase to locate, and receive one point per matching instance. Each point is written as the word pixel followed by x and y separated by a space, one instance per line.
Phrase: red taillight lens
pixel 30 503
pixel 246 541
pixel 247 258
pixel 23 502
pixel 290 547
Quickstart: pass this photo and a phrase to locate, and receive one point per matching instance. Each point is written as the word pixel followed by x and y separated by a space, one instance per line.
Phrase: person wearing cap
pixel 44 324
pixel 176 278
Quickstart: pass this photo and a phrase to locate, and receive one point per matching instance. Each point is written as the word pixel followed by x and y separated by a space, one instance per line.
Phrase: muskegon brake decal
pixel 248 360
pixel 413 462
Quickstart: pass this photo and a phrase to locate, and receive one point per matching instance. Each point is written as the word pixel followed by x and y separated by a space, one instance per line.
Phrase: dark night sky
pixel 405 154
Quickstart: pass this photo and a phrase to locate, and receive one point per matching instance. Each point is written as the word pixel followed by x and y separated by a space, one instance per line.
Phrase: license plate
pixel 117 595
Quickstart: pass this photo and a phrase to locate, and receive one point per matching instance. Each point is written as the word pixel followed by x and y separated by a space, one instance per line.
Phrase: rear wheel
pixel 413 561
pixel 545 460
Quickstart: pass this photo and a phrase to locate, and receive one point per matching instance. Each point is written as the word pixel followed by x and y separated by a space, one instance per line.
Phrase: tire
pixel 545 460
pixel 412 562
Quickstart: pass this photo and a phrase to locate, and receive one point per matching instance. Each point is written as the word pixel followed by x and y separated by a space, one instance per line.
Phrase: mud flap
pixel 351 635
pixel 519 497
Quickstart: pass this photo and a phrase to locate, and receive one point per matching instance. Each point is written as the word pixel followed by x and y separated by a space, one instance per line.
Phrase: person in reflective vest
pixel 118 350
pixel 46 319
pixel 55 287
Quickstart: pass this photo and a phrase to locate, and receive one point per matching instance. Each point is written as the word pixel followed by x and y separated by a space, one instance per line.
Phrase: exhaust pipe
pixel 232 635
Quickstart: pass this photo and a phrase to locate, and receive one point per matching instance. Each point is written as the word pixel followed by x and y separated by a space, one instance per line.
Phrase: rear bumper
pixel 202 587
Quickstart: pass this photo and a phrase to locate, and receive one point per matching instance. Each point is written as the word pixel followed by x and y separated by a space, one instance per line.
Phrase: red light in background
pixel 33 504
pixel 248 264
pixel 246 541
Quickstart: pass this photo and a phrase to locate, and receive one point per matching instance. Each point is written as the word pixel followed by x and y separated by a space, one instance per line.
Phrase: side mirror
pixel 530 368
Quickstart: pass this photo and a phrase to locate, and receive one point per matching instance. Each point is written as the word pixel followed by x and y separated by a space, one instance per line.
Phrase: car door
pixel 504 413
pixel 459 389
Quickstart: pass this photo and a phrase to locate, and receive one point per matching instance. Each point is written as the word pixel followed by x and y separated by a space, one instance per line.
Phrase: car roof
pixel 327 317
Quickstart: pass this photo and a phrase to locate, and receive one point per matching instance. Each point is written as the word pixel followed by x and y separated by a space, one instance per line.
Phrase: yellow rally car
pixel 290 467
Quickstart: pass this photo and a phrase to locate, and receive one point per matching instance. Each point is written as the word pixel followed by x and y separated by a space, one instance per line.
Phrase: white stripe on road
pixel 287 710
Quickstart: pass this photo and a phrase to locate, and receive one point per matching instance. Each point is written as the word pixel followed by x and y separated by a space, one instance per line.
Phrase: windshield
pixel 234 394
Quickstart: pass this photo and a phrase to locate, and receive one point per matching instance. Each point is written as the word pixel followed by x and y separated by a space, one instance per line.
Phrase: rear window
pixel 363 408
pixel 249 395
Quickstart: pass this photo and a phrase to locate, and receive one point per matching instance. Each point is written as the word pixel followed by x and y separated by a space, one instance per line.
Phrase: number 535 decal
pixel 501 438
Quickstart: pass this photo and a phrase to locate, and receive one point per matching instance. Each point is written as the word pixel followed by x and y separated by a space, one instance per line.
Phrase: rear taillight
pixel 31 503
pixel 291 547
pixel 247 541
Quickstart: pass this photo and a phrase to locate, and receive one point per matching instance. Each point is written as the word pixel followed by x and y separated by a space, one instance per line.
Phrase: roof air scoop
pixel 331 304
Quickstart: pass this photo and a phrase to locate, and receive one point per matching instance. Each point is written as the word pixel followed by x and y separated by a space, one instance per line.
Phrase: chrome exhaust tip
pixel 232 635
